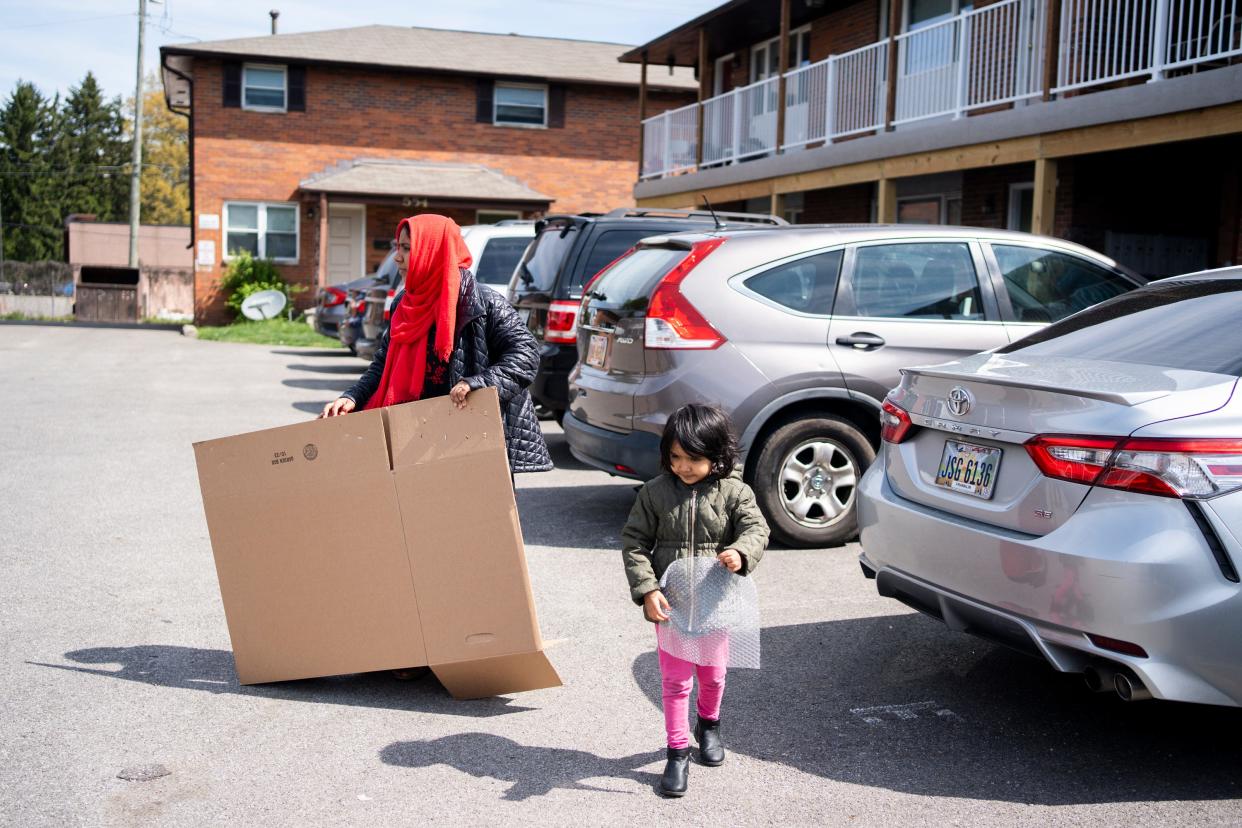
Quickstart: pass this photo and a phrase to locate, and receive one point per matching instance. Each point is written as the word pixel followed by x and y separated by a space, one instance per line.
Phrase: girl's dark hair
pixel 702 431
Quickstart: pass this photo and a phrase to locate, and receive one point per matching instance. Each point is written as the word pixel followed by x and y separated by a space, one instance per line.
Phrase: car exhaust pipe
pixel 1099 678
pixel 1130 688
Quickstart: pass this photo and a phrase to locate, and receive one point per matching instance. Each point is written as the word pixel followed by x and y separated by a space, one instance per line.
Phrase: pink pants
pixel 677 676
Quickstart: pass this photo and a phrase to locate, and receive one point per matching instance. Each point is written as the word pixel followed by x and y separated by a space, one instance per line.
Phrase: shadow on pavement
pixel 338 385
pixel 312 408
pixel 590 517
pixel 191 668
pixel 531 771
pixel 354 371
pixel 898 702
pixel 562 458
pixel 327 352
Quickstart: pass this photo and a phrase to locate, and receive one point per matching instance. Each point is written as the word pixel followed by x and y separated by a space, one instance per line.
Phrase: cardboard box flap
pixel 497 676
pixel 269 460
pixel 435 429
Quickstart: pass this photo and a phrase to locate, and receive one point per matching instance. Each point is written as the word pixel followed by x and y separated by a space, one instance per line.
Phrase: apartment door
pixel 346 242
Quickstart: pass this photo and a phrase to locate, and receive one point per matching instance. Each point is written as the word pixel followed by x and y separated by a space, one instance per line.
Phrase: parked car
pixel 495 250
pixel 568 250
pixel 334 304
pixel 799 332
pixel 1078 494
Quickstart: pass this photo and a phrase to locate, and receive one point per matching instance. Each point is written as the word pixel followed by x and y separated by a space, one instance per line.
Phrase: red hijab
pixel 432 284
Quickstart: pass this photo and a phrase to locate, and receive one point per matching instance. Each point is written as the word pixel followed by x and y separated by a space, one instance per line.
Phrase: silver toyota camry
pixel 1078 493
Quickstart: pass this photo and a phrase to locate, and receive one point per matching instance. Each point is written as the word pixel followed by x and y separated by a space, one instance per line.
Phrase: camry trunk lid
pixel 972 418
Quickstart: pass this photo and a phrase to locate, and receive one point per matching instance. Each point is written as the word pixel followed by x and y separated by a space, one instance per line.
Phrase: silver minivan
pixel 799 333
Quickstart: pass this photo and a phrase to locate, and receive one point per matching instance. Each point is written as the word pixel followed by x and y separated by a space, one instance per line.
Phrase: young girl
pixel 698 507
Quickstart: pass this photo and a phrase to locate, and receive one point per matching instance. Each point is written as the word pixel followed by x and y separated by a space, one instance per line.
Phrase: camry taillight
pixel 672 322
pixel 895 423
pixel 562 325
pixel 1159 466
pixel 333 296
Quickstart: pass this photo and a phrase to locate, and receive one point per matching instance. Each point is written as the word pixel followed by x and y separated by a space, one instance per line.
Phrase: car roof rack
pixel 658 212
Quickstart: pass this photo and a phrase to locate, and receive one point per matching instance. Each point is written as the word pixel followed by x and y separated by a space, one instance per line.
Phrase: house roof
pixel 444 50
pixel 421 179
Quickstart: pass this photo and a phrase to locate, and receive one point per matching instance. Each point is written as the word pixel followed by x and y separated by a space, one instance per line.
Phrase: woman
pixel 450 335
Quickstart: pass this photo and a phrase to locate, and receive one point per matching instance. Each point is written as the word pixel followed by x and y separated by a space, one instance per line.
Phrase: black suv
pixel 567 252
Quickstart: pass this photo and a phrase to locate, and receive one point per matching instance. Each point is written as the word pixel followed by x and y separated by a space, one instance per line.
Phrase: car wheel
pixel 806 480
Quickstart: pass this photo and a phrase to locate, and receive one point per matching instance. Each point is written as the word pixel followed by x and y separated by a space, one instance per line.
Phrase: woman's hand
pixel 731 558
pixel 458 393
pixel 655 606
pixel 341 405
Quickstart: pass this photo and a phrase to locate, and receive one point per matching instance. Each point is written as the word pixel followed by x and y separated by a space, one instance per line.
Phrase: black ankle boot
pixel 676 772
pixel 711 746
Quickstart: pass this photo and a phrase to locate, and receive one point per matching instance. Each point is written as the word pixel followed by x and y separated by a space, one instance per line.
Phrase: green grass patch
pixel 269 332
pixel 18 316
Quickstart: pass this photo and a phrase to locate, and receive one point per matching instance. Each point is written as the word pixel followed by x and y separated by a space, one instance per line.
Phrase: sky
pixel 54 43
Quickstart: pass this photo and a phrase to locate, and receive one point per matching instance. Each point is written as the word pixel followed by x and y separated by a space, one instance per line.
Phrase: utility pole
pixel 135 175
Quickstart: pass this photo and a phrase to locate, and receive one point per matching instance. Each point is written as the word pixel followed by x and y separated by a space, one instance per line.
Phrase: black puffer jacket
pixel 492 348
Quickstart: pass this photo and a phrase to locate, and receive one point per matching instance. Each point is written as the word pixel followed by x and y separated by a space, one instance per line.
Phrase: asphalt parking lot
pixel 115 658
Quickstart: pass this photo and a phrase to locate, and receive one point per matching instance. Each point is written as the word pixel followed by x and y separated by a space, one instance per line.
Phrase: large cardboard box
pixel 378 540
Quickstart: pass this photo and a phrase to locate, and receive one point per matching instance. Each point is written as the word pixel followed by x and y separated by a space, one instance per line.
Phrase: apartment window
pixel 765 58
pixel 520 105
pixel 268 231
pixel 264 88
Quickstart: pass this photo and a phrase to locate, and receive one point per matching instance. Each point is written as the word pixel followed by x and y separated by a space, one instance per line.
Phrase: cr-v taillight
pixel 672 322
pixel 895 423
pixel 1160 466
pixel 562 326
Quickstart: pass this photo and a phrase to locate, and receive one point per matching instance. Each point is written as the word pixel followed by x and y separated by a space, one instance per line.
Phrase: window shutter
pixel 232 83
pixel 296 78
pixel 556 106
pixel 483 111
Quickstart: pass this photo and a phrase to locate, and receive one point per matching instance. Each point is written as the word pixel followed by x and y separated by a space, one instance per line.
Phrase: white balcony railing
pixel 980 58
pixel 740 124
pixel 670 142
pixel 986 57
pixel 1124 39
pixel 843 95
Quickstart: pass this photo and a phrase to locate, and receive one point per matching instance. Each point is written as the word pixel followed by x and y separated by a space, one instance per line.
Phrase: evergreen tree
pixel 32 221
pixel 90 155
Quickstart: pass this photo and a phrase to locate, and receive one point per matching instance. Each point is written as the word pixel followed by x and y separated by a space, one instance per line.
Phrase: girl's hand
pixel 731 558
pixel 458 393
pixel 655 606
pixel 341 405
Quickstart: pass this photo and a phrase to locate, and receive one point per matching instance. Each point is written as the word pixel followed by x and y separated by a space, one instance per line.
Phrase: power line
pixel 66 22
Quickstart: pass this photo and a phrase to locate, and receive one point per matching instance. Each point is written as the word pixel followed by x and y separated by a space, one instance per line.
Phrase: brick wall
pixel 851 27
pixel 985 193
pixel 589 164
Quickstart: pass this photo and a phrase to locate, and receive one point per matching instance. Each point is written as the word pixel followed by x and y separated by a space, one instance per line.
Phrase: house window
pixel 264 88
pixel 268 231
pixel 520 105
pixel 765 59
pixel 493 216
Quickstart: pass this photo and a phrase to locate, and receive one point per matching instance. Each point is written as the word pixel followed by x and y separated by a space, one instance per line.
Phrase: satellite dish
pixel 264 305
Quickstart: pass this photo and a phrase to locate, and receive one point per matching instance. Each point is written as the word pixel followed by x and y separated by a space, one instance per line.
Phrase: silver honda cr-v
pixel 1078 494
pixel 798 333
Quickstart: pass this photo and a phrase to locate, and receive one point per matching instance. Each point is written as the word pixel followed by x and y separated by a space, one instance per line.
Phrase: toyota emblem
pixel 960 401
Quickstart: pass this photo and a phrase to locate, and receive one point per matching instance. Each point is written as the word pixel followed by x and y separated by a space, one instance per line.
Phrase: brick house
pixel 308 148
pixel 1119 128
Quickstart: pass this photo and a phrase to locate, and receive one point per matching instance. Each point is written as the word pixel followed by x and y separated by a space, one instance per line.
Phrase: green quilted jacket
pixel 671 520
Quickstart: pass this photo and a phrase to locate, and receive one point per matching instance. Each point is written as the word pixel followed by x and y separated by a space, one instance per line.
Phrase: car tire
pixel 806 481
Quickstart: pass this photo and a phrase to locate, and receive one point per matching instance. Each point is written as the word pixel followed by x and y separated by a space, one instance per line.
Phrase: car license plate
pixel 597 351
pixel 969 469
